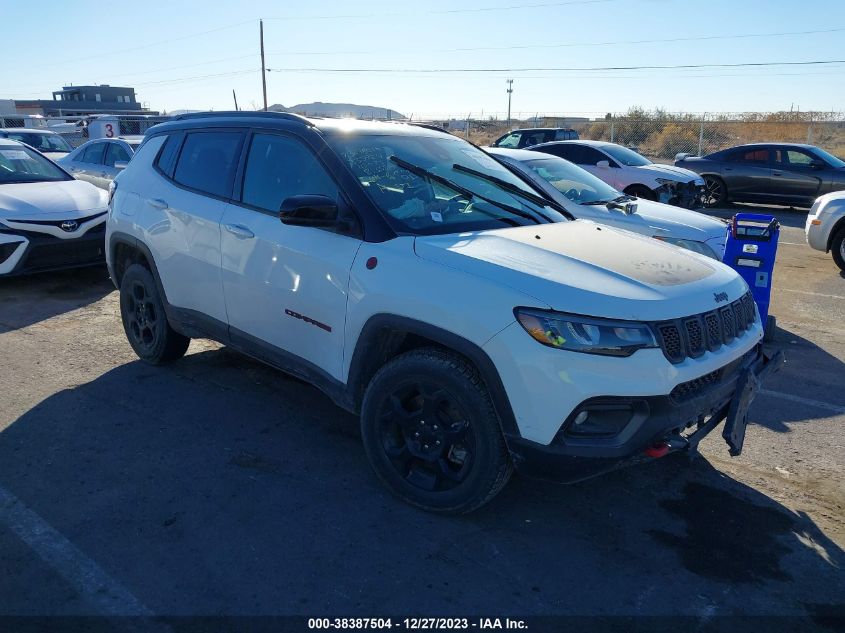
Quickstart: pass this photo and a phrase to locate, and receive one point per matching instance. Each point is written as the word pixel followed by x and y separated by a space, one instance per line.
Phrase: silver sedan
pixel 100 161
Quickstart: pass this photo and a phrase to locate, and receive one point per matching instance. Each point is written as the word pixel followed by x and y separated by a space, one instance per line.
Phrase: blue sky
pixel 187 54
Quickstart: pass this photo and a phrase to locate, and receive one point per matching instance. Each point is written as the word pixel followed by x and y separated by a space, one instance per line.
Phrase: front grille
pixel 691 336
pixel 55 253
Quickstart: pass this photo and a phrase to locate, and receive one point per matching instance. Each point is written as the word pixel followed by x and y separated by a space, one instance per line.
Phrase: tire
pixel 641 191
pixel 715 191
pixel 837 248
pixel 144 320
pixel 431 433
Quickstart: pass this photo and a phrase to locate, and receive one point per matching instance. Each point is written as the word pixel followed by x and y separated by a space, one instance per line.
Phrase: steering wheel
pixel 573 194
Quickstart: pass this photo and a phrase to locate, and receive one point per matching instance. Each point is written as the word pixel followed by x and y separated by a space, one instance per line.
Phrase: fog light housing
pixel 6 250
pixel 603 419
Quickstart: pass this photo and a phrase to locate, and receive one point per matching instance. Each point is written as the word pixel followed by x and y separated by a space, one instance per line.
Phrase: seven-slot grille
pixel 690 337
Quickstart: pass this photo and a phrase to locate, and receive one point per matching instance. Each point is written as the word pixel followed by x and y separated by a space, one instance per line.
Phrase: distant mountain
pixel 338 110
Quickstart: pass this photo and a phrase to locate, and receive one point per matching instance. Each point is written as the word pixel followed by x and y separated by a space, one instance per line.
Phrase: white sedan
pixel 48 220
pixel 629 172
pixel 825 227
pixel 587 197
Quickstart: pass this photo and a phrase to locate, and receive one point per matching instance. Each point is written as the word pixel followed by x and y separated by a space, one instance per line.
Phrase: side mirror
pixel 603 164
pixel 120 164
pixel 309 210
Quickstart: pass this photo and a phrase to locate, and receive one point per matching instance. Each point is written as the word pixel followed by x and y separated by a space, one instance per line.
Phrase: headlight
pixel 667 182
pixel 691 245
pixel 585 334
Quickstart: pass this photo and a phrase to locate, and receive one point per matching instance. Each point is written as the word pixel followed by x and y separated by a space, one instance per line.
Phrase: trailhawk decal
pixel 302 317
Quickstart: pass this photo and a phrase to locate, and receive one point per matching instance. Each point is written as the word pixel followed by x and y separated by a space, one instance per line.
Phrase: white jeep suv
pixel 423 285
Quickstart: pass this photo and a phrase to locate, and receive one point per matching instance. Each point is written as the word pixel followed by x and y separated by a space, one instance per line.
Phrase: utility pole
pixel 235 97
pixel 263 69
pixel 510 91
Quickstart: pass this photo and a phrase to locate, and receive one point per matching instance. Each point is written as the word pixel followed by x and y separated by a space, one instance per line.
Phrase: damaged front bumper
pixel 659 425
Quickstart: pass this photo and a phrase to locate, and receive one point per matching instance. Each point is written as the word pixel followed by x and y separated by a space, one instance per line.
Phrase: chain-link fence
pixel 661 135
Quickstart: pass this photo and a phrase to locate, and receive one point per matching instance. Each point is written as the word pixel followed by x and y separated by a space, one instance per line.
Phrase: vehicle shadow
pixel 217 486
pixel 817 373
pixel 32 298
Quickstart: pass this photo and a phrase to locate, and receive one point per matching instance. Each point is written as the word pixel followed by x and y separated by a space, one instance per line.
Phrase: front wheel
pixel 431 433
pixel 144 320
pixel 715 191
pixel 837 246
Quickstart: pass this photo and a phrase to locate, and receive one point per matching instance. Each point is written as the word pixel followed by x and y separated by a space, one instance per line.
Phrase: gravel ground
pixel 217 486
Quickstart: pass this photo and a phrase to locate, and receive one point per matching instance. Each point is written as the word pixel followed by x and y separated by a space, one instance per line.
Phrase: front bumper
pixel 659 424
pixel 24 252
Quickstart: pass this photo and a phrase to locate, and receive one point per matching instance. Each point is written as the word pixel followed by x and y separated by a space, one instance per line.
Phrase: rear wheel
pixel 715 191
pixel 431 433
pixel 144 320
pixel 837 246
pixel 640 191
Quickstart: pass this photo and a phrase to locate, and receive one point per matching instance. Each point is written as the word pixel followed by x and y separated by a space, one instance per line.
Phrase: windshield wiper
pixel 517 191
pixel 616 203
pixel 467 193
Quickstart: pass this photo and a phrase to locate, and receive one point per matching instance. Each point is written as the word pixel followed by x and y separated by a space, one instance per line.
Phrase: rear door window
pixel 208 161
pixel 93 154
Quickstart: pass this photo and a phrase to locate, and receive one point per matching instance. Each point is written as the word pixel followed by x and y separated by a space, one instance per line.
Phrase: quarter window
pixel 114 153
pixel 279 167
pixel 207 161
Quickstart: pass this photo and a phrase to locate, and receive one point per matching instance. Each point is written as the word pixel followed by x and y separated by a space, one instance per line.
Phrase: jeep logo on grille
pixel 720 296
pixel 69 226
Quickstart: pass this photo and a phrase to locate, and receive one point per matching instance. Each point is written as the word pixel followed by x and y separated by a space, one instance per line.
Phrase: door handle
pixel 157 203
pixel 729 168
pixel 777 173
pixel 239 231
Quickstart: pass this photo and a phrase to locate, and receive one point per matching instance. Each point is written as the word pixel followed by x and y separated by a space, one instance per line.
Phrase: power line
pixel 398 14
pixel 561 69
pixel 122 51
pixel 568 44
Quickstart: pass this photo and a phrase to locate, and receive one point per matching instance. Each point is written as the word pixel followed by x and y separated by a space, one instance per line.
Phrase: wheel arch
pixel 385 336
pixel 125 250
pixel 839 226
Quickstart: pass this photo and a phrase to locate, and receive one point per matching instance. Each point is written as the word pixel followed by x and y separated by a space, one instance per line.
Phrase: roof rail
pixel 427 126
pixel 290 116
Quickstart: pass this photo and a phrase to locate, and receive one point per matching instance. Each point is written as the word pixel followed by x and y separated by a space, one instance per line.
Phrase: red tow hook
pixel 657 450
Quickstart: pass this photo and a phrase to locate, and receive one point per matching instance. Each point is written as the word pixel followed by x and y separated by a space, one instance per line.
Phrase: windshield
pixel 21 164
pixel 626 156
pixel 41 142
pixel 829 158
pixel 575 183
pixel 450 199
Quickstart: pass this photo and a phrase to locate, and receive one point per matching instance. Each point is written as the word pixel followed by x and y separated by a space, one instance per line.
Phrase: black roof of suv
pixel 525 137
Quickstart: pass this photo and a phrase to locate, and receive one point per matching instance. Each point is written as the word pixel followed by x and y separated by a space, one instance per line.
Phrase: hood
pixel 585 268
pixel 670 171
pixel 678 222
pixel 66 199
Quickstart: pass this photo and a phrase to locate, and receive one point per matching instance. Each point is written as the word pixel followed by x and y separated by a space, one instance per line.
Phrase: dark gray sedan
pixel 769 173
